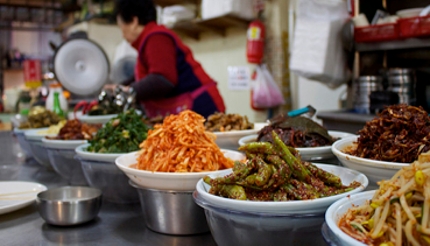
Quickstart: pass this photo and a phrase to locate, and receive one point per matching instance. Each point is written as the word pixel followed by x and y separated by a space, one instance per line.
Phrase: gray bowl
pixel 22 141
pixel 107 177
pixel 69 205
pixel 64 163
pixel 171 212
pixel 39 153
pixel 235 227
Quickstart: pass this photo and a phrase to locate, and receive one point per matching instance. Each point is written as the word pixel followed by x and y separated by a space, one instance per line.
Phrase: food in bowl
pixel 121 134
pixel 297 132
pixel 53 129
pixel 275 172
pixel 398 213
pixel 398 134
pixel 374 170
pixel 181 144
pixel 39 117
pixel 220 122
pixel 76 130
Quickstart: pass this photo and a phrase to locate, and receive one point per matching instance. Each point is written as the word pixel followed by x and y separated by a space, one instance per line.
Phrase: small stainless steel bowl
pixel 69 205
pixel 171 212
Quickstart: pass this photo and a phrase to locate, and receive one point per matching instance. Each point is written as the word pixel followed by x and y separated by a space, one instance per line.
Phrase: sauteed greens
pixel 274 172
pixel 121 134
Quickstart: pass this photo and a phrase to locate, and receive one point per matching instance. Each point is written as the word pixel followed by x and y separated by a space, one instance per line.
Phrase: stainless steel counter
pixel 116 224
pixel 346 121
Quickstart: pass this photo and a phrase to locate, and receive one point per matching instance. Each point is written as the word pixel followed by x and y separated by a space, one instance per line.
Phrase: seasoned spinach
pixel 121 134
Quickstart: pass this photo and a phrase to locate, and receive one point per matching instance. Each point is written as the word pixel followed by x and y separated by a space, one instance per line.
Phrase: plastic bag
pixel 317 51
pixel 265 93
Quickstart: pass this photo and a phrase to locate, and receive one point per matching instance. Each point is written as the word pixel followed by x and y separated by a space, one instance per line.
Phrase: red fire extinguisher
pixel 255 42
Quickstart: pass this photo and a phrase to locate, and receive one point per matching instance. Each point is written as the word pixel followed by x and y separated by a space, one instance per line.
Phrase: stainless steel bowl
pixel 69 205
pixel 171 212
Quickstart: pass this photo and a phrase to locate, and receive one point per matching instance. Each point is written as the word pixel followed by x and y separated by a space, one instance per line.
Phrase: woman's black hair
pixel 144 10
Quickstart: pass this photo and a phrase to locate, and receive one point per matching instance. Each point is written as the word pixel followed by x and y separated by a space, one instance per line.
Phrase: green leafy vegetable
pixel 121 134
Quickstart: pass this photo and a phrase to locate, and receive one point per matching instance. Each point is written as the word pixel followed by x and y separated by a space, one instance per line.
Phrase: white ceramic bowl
pixel 84 154
pixel 374 170
pixel 61 155
pixel 38 150
pixel 229 139
pixel 310 153
pixel 338 209
pixel 96 119
pixel 165 180
pixel 407 13
pixel 62 144
pixel 288 207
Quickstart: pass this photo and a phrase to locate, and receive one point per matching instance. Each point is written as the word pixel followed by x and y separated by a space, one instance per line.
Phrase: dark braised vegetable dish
pixel 39 117
pixel 296 132
pixel 121 134
pixel 76 130
pixel 274 172
pixel 400 133
pixel 220 122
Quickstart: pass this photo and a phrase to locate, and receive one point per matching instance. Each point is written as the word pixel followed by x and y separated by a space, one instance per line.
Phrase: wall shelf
pixel 219 25
pixel 410 43
pixel 164 3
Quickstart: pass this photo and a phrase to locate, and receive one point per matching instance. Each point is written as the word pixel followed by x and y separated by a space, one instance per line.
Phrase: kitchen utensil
pixel 229 139
pixel 231 227
pixel 23 143
pixel 407 13
pixel 39 152
pixel 18 194
pixel 308 109
pixel 171 212
pixel 309 153
pixel 381 99
pixel 81 66
pixel 69 205
pixel 374 170
pixel 313 206
pixel 363 87
pixel 338 209
pixel 402 82
pixel 61 155
pixel 177 181
pixel 101 172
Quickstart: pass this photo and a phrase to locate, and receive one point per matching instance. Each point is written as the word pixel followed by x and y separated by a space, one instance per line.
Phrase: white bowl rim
pixel 104 116
pixel 135 171
pixel 269 206
pixel 18 130
pixel 33 135
pixel 206 204
pixel 332 211
pixel 95 156
pixel 61 143
pixel 306 149
pixel 257 127
pixel 363 161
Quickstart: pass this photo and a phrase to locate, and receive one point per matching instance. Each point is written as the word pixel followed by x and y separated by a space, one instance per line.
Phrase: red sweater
pixel 162 52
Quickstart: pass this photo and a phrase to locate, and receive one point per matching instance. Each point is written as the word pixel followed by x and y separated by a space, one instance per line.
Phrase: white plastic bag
pixel 317 52
pixel 266 93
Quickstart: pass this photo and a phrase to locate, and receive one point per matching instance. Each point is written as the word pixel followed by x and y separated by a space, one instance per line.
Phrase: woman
pixel 167 78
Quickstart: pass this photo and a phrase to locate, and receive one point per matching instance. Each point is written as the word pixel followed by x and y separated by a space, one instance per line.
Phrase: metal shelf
pixel 219 25
pixel 410 43
pixel 164 3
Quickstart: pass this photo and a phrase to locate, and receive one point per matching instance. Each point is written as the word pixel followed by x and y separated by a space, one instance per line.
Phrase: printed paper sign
pixel 238 78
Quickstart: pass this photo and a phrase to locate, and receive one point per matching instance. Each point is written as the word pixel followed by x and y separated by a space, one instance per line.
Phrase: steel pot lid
pixel 81 66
